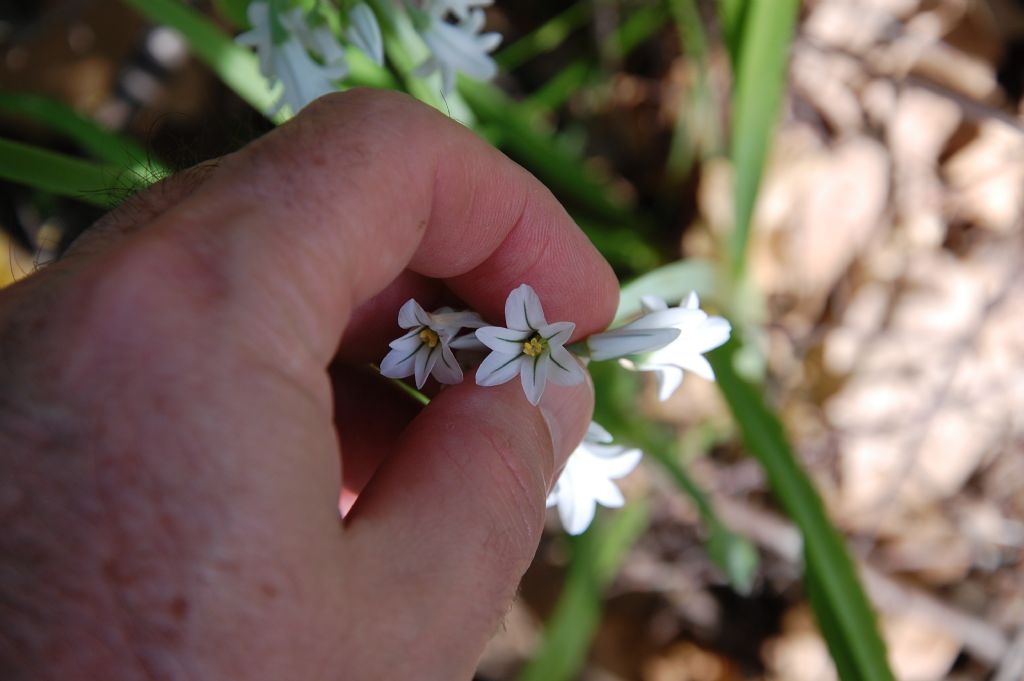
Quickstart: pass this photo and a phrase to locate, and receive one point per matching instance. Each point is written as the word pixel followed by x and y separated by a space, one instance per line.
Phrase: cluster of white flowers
pixel 664 340
pixel 586 480
pixel 303 58
pixel 457 46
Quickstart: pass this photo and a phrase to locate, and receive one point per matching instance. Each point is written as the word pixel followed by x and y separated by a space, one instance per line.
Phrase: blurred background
pixel 883 306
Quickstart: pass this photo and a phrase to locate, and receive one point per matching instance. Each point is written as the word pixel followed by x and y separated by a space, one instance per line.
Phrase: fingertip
pixel 567 411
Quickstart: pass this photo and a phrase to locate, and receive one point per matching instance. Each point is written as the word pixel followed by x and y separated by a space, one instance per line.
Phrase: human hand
pixel 173 443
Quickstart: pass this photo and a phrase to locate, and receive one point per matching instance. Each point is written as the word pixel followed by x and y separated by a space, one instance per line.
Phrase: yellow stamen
pixel 429 336
pixel 533 347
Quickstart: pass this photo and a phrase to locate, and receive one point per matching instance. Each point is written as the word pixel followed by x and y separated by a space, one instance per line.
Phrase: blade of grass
pixel 527 138
pixel 847 619
pixel 546 37
pixel 98 184
pixel 697 127
pixel 732 16
pixel 104 144
pixel 596 557
pixel 615 409
pixel 760 79
pixel 634 30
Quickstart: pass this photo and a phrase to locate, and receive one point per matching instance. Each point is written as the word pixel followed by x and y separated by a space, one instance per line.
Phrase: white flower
pixel 529 346
pixel 426 348
pixel 587 478
pixel 457 47
pixel 364 32
pixel 649 332
pixel 289 62
pixel 698 333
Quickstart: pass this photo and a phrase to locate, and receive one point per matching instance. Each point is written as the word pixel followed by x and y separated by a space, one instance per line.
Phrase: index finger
pixel 360 186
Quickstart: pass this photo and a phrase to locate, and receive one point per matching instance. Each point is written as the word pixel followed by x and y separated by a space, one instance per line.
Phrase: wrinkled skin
pixel 179 400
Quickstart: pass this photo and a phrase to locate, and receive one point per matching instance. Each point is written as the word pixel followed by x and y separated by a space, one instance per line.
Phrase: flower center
pixel 430 337
pixel 534 346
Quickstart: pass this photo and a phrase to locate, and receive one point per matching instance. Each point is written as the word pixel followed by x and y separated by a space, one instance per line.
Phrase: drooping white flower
pixel 364 32
pixel 586 480
pixel 425 349
pixel 459 46
pixel 529 347
pixel 698 333
pixel 302 79
pixel 649 332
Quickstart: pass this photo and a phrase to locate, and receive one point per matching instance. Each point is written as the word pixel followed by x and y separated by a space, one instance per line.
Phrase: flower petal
pixel 692 301
pixel 669 380
pixel 712 333
pixel 677 317
pixel 399 363
pixel 364 33
pixel 557 333
pixel 425 361
pixel 410 341
pixel 606 493
pixel 552 498
pixel 411 314
pixel 628 341
pixel 651 304
pixel 564 369
pixel 450 318
pixel 447 369
pixel 534 374
pixel 576 512
pixel 500 339
pixel 523 311
pixel 498 368
pixel 614 462
pixel 467 341
pixel 698 365
pixel 597 433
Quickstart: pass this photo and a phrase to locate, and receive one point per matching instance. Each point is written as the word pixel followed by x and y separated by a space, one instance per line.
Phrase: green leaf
pixel 548 36
pixel 760 81
pixel 848 621
pixel 539 150
pixel 98 184
pixel 697 132
pixel 614 408
pixel 735 556
pixel 104 144
pixel 234 11
pixel 671 282
pixel 595 560
pixel 732 20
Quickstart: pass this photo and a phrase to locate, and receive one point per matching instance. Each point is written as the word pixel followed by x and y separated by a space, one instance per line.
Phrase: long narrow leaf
pixel 848 621
pixel 758 89
pixel 100 185
pixel 596 558
pixel 547 37
pixel 102 143
pixel 540 151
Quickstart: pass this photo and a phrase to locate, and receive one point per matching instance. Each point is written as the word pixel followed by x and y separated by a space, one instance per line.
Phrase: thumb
pixel 461 503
